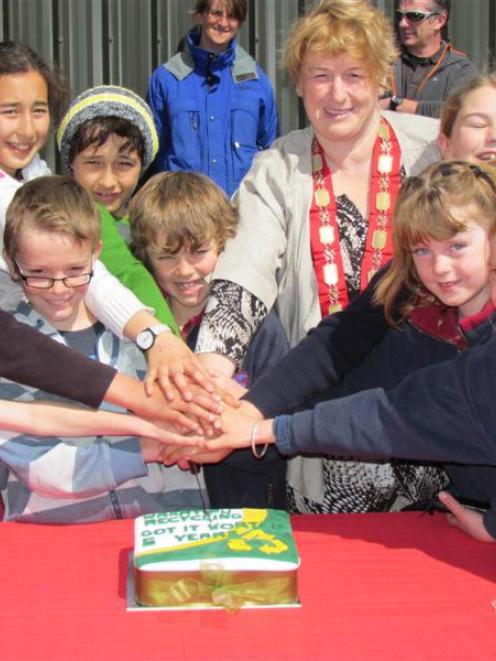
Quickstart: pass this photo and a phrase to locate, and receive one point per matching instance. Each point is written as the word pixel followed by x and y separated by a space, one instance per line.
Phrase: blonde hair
pixel 424 210
pixel 354 27
pixel 454 103
pixel 52 204
pixel 177 209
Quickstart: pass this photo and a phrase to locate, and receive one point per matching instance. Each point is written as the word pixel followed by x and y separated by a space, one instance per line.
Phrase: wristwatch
pixel 146 339
pixel 395 102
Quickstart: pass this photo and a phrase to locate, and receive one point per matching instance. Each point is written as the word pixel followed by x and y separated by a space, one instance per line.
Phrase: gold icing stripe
pixel 216 587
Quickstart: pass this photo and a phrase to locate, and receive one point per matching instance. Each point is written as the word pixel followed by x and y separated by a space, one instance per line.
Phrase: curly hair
pixel 178 209
pixel 333 27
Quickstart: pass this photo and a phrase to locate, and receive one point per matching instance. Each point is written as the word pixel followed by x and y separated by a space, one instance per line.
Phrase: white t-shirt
pixel 112 303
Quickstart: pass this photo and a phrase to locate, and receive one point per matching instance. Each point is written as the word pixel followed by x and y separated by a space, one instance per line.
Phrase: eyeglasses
pixel 41 282
pixel 416 16
pixel 218 14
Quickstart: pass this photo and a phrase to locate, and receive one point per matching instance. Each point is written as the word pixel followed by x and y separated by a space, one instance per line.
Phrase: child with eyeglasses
pixel 32 98
pixel 52 239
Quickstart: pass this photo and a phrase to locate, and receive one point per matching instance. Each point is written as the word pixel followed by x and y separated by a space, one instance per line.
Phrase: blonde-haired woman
pixel 316 214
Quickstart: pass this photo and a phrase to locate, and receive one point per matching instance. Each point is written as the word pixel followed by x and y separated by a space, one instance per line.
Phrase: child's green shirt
pixel 120 261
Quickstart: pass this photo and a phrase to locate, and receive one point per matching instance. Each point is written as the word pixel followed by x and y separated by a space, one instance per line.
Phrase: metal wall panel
pixel 122 41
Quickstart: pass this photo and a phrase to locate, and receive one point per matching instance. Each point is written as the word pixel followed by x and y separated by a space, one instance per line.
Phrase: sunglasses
pixel 416 16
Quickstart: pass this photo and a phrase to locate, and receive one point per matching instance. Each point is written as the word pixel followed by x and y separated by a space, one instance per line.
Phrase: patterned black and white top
pixel 233 314
pixel 232 317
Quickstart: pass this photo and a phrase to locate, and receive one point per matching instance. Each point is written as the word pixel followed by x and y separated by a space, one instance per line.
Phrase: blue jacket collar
pixel 203 58
pixel 243 66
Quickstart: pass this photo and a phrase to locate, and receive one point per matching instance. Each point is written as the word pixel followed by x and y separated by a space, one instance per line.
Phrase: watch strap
pixel 395 102
pixel 158 329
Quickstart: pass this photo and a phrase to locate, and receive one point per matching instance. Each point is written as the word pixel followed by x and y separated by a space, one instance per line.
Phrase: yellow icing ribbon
pixel 215 587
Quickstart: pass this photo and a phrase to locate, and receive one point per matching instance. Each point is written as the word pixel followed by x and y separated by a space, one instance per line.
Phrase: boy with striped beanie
pixel 107 139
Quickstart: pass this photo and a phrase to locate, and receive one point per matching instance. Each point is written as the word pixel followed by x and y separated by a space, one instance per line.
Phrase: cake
pixel 227 557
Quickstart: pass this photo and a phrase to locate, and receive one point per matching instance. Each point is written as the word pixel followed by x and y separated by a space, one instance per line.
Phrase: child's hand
pixel 468 520
pixel 168 435
pixel 170 361
pixel 187 417
pixel 184 456
pixel 157 451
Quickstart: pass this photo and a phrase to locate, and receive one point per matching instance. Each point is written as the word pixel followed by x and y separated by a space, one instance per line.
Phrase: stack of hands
pixel 195 405
pixel 199 418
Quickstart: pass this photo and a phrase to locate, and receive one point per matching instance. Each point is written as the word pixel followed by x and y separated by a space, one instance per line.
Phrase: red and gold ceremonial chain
pixel 324 229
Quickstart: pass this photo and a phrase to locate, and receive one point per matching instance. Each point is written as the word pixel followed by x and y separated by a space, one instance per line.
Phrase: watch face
pixel 145 339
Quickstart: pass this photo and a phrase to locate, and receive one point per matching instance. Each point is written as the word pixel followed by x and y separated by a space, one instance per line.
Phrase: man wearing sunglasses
pixel 428 68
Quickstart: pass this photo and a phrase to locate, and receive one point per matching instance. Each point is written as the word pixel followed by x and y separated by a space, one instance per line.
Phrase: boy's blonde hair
pixel 52 204
pixel 354 27
pixel 424 210
pixel 454 103
pixel 178 209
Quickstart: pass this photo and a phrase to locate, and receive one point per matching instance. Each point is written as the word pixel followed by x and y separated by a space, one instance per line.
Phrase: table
pixel 372 586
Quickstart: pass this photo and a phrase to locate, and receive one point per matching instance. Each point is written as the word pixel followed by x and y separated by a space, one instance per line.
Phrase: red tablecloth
pixel 372 586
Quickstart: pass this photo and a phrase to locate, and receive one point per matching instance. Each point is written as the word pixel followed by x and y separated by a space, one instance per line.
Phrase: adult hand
pixel 154 451
pixel 237 426
pixel 217 363
pixel 166 435
pixel 237 430
pixel 407 105
pixel 184 456
pixel 227 388
pixel 468 520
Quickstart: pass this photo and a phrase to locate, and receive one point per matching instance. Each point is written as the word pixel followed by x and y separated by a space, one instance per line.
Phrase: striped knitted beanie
pixel 108 101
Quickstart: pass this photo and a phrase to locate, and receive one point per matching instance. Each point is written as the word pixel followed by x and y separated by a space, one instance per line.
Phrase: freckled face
pixel 185 278
pixel 456 271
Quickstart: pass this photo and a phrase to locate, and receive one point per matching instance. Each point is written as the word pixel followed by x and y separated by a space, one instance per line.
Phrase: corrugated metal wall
pixel 122 41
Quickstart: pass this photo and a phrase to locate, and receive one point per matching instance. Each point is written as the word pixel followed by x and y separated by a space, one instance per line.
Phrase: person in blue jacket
pixel 214 108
